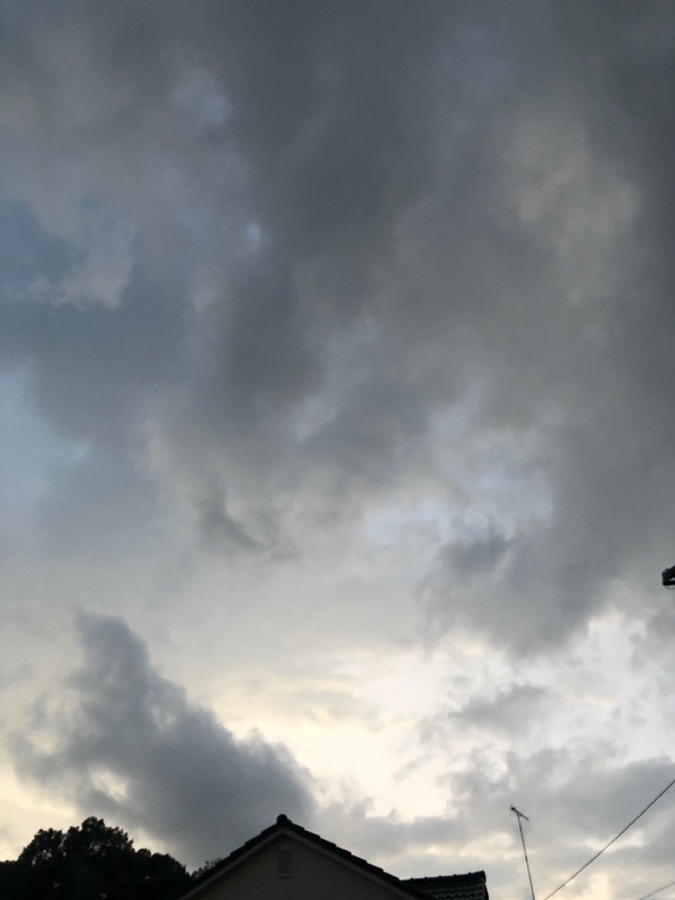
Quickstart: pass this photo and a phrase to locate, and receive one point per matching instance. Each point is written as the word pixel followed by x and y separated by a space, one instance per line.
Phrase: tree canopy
pixel 92 861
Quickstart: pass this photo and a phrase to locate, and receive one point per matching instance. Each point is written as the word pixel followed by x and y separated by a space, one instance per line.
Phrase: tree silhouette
pixel 90 862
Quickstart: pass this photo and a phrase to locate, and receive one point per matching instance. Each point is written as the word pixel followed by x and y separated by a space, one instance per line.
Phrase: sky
pixel 338 356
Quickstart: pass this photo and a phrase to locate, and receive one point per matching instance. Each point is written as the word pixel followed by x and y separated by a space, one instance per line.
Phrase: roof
pixel 444 887
pixel 452 887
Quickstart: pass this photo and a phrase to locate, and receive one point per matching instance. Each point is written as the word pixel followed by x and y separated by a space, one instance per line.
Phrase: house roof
pixel 443 887
pixel 452 887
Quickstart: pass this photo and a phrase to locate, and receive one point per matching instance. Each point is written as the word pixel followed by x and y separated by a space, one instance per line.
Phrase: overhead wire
pixel 657 891
pixel 616 838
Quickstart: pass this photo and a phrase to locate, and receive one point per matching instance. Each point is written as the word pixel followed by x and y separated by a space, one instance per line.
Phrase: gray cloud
pixel 134 749
pixel 272 271
pixel 313 115
pixel 386 837
pixel 576 804
pixel 335 140
pixel 442 186
pixel 31 261
pixel 477 557
pixel 511 710
pixel 217 527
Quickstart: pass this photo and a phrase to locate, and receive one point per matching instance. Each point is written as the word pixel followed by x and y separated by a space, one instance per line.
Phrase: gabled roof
pixel 444 887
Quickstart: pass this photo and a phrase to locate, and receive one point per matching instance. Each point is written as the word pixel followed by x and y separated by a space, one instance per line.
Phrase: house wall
pixel 315 876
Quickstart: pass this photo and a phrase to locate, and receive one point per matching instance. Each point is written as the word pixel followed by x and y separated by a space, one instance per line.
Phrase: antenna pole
pixel 520 816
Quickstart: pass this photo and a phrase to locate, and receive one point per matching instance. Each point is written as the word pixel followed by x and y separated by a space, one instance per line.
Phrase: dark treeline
pixel 90 862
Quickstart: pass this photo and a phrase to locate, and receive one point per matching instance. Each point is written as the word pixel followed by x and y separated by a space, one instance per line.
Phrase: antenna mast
pixel 520 816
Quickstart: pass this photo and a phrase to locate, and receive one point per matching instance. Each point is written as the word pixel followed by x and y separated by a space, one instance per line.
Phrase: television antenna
pixel 521 816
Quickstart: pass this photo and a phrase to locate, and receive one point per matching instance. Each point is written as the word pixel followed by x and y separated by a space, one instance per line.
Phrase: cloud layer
pixel 329 248
pixel 134 747
pixel 334 333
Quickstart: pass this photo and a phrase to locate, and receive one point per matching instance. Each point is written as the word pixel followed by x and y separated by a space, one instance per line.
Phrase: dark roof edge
pixel 284 824
pixel 466 877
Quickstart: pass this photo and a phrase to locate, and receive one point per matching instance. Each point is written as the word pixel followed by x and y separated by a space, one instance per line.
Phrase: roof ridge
pixel 466 875
pixel 407 886
pixel 463 886
pixel 361 862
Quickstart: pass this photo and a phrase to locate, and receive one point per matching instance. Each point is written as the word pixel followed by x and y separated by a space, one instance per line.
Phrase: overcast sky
pixel 338 447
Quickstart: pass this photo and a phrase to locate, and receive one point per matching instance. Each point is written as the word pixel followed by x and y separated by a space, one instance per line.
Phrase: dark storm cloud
pixel 323 123
pixel 218 529
pixel 477 556
pixel 90 370
pixel 481 194
pixel 593 379
pixel 326 105
pixel 32 262
pixel 133 748
pixel 93 361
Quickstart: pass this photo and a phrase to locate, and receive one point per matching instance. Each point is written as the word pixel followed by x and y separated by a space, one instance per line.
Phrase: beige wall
pixel 315 877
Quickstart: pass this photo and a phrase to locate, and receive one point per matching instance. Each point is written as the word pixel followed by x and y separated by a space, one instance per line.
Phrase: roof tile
pixel 470 886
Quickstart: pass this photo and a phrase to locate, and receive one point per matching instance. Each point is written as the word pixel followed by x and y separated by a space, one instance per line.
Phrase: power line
pixel 623 831
pixel 658 890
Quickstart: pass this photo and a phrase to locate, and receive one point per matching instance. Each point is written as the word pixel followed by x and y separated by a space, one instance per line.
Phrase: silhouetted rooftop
pixel 470 886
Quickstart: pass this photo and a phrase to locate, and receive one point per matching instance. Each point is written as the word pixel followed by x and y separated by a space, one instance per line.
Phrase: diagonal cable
pixel 658 890
pixel 616 838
